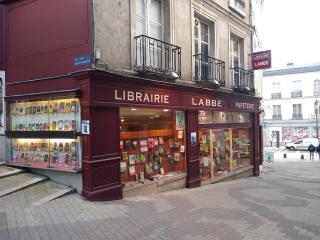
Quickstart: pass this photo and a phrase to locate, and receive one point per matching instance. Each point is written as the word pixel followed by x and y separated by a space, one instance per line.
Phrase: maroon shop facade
pixel 117 132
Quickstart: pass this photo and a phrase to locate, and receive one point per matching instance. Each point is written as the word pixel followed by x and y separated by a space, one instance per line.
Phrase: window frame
pixel 316 87
pixel 2 101
pixel 276 112
pixel 297 111
pixel 199 38
pixel 147 22
pixel 240 44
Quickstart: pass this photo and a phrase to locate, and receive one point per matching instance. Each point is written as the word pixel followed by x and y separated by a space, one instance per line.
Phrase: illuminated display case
pixel 45 134
pixel 152 144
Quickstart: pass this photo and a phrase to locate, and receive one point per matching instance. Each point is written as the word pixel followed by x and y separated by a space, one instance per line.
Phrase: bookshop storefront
pixel 154 137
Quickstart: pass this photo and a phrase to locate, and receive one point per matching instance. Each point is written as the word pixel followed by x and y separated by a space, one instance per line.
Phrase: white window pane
pixel 140 26
pixel 196 34
pixel 204 49
pixel 204 33
pixel 155 11
pixel 155 31
pixel 140 8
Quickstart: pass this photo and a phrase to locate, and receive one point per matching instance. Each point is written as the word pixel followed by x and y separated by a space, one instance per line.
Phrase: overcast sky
pixel 290 28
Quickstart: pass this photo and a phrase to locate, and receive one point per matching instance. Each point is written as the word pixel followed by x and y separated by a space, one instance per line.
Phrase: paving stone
pixel 264 207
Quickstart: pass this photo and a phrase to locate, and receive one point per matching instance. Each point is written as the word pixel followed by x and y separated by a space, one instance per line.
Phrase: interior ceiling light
pixel 122 120
pixel 166 110
pixel 133 109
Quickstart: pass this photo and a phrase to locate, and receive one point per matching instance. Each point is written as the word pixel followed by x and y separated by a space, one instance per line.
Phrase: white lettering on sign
pixel 133 96
pixel 262 63
pixel 245 105
pixel 206 102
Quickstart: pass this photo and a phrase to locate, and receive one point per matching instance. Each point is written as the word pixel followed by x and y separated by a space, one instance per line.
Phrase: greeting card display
pixel 49 115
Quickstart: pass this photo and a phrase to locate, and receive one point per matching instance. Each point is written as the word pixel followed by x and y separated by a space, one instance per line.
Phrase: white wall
pixel 307 100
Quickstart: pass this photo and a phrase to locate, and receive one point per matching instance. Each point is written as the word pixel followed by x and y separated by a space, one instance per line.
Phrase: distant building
pixel 291 100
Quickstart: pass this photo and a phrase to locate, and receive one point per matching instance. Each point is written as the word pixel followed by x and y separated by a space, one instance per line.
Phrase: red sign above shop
pixel 161 98
pixel 261 60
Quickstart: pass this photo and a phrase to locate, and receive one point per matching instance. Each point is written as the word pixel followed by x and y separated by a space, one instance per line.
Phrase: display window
pixel 47 115
pixel 214 117
pixel 152 144
pixel 45 153
pixel 44 134
pixel 223 150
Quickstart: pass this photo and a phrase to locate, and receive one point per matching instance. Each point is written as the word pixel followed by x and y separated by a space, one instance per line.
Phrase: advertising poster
pixel 180 123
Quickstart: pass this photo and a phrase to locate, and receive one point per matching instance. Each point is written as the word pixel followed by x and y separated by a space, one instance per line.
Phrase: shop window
pixel 213 117
pixel 223 151
pixel 152 144
pixel 45 134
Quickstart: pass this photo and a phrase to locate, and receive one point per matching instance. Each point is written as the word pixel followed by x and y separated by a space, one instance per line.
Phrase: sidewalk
pixel 281 204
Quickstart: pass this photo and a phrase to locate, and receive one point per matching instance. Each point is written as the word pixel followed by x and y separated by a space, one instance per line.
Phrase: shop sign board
pixel 261 60
pixel 244 105
pixel 144 97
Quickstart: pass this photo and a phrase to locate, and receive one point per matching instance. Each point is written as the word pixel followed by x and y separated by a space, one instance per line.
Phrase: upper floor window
pixel 201 37
pixel 238 5
pixel 316 87
pixel 236 52
pixel 296 112
pixel 275 91
pixel 149 18
pixel 276 112
pixel 296 89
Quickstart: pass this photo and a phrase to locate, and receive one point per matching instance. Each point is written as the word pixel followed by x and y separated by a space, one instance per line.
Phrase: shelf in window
pixel 42 134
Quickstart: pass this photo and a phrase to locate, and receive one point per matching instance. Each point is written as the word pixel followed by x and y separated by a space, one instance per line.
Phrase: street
pixel 283 203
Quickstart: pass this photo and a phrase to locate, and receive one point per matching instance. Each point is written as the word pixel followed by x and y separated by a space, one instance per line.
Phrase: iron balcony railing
pixel 297 93
pixel 276 95
pixel 277 117
pixel 209 70
pixel 155 56
pixel 242 80
pixel 297 117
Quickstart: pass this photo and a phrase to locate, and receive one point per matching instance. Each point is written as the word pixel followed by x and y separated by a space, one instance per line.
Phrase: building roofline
pixel 294 70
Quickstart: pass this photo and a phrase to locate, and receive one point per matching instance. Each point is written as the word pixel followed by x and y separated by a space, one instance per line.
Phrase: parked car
pixel 302 144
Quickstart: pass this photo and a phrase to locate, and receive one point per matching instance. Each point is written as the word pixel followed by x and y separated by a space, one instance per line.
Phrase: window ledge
pixel 78 170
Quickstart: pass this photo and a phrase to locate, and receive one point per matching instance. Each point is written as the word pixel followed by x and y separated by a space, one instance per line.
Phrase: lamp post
pixel 316 111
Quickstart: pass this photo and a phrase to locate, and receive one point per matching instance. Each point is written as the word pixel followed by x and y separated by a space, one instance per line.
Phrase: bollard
pixel 284 155
pixel 302 156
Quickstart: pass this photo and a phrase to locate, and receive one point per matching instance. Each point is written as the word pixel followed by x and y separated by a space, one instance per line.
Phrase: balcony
pixel 242 81
pixel 209 70
pixel 295 94
pixel 153 56
pixel 276 95
pixel 277 117
pixel 297 117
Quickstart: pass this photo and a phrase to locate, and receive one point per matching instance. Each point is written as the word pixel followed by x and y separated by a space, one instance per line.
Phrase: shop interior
pixel 152 144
